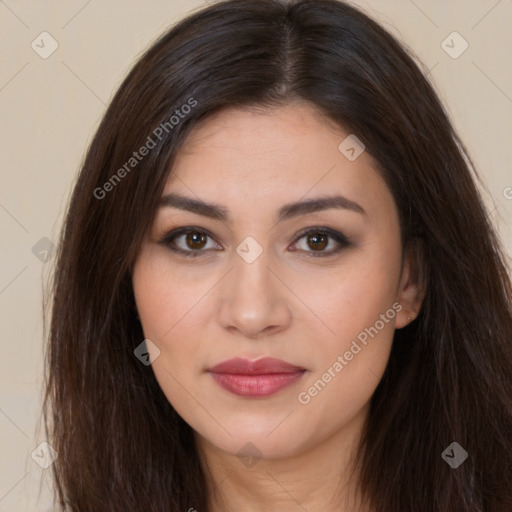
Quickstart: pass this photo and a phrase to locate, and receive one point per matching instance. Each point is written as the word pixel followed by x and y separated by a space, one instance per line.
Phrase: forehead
pixel 258 130
pixel 242 156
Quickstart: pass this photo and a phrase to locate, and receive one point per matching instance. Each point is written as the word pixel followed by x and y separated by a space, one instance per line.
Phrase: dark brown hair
pixel 121 445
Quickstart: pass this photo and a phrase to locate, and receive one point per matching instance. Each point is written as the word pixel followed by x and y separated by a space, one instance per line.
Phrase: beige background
pixel 50 108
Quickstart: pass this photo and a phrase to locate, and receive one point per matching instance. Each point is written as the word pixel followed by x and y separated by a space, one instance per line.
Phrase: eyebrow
pixel 288 211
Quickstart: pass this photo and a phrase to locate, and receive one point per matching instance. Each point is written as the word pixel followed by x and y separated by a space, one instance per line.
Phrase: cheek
pixel 167 320
pixel 352 296
pixel 357 304
pixel 350 361
pixel 164 295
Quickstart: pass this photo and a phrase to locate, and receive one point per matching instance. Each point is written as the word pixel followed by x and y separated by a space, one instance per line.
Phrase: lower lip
pixel 256 385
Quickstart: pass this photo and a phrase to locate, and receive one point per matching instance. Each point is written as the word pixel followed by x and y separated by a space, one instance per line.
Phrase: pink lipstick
pixel 259 378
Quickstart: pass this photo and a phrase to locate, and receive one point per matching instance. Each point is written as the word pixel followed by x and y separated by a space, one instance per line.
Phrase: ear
pixel 412 286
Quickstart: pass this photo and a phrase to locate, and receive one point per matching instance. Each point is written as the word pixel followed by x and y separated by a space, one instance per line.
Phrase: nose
pixel 254 301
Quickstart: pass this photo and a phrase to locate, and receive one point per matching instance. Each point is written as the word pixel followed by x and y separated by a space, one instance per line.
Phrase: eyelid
pixel 342 241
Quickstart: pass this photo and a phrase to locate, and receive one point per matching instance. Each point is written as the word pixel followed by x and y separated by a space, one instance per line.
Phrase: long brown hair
pixel 121 445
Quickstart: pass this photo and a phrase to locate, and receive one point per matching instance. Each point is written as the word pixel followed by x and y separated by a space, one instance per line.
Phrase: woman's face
pixel 318 286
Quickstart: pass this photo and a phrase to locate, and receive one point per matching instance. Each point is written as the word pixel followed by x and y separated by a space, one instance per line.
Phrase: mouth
pixel 260 378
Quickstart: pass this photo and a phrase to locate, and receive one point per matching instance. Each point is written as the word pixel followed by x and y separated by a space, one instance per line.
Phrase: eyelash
pixel 343 242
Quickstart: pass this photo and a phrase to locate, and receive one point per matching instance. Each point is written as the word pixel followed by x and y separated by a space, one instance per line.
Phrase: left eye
pixel 194 240
pixel 318 240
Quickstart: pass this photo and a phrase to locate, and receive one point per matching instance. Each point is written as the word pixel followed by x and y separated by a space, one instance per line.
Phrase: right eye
pixel 188 241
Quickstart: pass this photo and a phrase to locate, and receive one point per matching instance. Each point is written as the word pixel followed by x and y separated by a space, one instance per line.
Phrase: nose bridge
pixel 252 277
pixel 253 299
pixel 251 261
pixel 252 288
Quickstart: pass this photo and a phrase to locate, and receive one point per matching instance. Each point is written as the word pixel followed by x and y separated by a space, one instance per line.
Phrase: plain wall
pixel 50 108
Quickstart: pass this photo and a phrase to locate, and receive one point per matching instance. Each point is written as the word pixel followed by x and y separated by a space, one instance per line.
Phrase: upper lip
pixel 265 365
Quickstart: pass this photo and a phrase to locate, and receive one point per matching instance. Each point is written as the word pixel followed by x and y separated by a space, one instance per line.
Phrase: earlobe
pixel 412 286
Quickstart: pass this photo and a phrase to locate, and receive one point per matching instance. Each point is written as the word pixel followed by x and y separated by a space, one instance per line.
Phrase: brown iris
pixel 319 241
pixel 196 240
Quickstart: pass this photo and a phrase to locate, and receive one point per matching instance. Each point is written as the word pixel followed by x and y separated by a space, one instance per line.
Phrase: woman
pixel 277 285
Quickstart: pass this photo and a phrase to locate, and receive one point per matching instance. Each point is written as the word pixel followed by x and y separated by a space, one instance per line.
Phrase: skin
pixel 287 304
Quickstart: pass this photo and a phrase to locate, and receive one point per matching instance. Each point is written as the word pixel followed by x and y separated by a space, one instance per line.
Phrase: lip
pixel 259 378
pixel 263 366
